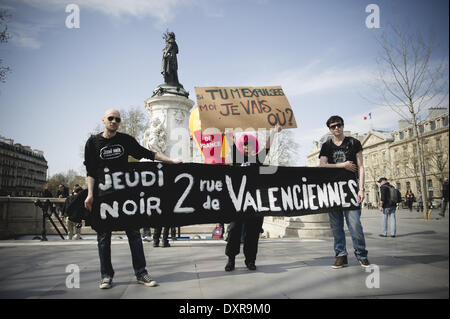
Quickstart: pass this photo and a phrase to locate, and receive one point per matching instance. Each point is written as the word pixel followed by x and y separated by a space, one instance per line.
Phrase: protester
pixel 147 234
pixel 110 149
pixel 253 225
pixel 345 152
pixel 157 236
pixel 409 199
pixel 71 226
pixel 388 207
pixel 444 191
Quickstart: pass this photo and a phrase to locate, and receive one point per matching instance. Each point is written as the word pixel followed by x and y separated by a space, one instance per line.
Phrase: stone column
pixel 168 130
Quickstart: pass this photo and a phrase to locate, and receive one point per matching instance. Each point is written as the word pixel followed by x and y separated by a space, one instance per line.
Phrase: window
pixel 438 144
pixel 400 135
pixel 421 128
pixel 432 125
pixel 410 132
pixel 408 185
pixel 445 121
pixel 430 189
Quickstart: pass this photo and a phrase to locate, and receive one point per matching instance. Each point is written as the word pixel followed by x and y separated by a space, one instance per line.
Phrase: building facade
pixel 23 171
pixel 394 155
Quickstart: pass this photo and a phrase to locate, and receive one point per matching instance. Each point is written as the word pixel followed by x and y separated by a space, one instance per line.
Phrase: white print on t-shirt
pixel 339 157
pixel 111 152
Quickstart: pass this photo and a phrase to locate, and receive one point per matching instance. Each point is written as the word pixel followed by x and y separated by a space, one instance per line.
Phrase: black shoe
pixel 393 236
pixel 381 235
pixel 250 265
pixel 230 265
pixel 364 262
pixel 166 244
pixel 156 244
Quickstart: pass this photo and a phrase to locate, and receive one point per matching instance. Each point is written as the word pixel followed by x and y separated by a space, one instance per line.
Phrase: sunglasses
pixel 333 127
pixel 111 118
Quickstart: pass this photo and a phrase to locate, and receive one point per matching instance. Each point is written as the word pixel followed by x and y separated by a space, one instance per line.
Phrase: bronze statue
pixel 169 62
pixel 169 69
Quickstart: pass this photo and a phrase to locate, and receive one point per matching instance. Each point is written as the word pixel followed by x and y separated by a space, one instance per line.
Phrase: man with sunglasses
pixel 345 152
pixel 110 149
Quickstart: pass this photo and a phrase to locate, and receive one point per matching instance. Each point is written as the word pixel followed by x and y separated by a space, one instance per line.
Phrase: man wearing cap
pixel 388 207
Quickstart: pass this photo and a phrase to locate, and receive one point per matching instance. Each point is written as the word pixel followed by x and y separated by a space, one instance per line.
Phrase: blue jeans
pixel 136 248
pixel 388 213
pixel 353 219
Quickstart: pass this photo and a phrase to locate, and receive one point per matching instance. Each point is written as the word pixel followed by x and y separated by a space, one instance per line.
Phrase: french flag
pixel 368 117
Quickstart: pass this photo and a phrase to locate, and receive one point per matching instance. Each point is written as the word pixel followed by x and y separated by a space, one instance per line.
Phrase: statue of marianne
pixel 169 66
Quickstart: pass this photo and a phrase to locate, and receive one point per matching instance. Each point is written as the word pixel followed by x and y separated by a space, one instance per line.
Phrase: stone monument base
pixel 309 226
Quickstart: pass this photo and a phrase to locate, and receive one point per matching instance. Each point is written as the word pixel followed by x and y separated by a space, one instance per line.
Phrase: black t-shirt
pixel 112 152
pixel 339 154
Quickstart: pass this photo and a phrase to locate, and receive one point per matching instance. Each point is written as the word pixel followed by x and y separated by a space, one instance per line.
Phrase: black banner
pixel 154 194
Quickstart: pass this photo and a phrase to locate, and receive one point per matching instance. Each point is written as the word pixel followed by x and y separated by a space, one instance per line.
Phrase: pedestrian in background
pixel 72 226
pixel 444 191
pixel 409 199
pixel 388 206
pixel 419 201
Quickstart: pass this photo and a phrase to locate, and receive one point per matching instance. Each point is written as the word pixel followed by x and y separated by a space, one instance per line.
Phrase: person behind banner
pixel 110 149
pixel 253 225
pixel 345 152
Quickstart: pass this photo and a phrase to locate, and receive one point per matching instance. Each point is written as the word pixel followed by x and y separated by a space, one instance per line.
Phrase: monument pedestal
pixel 309 226
pixel 168 131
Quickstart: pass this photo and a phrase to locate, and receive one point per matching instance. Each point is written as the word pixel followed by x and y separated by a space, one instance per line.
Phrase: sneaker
pixel 364 262
pixel 250 265
pixel 147 281
pixel 145 238
pixel 106 283
pixel 230 265
pixel 340 262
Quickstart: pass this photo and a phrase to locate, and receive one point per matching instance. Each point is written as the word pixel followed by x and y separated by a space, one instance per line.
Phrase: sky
pixel 321 53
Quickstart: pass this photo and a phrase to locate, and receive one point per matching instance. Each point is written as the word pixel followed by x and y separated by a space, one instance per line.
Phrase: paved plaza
pixel 412 265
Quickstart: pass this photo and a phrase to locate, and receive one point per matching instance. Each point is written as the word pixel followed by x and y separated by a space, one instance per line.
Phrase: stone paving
pixel 415 264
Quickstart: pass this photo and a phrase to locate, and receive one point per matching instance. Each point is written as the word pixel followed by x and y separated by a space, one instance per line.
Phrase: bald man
pixel 111 149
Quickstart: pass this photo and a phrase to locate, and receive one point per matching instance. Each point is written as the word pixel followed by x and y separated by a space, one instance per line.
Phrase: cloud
pixel 162 11
pixel 316 77
pixel 25 34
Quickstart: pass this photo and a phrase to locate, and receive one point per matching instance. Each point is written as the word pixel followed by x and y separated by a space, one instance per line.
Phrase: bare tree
pixel 284 149
pixel 411 82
